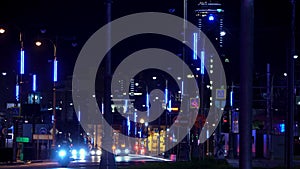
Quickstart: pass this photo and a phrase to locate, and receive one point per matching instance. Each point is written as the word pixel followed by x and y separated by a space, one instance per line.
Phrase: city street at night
pixel 150 84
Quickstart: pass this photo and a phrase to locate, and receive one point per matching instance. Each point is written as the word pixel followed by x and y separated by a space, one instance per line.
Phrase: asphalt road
pixel 90 163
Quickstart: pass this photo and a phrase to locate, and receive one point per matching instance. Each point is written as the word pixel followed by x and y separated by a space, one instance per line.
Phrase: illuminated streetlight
pixel 2 30
pixel 295 56
pixel 39 43
pixel 142 121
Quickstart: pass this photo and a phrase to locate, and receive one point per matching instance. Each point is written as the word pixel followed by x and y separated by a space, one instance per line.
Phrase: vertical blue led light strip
pixel 34 82
pixel 55 70
pixel 102 108
pixel 166 96
pixel 147 104
pixel 22 62
pixel 170 106
pixel 182 89
pixel 128 125
pixel 202 62
pixel 195 53
pixel 17 92
pixel 231 98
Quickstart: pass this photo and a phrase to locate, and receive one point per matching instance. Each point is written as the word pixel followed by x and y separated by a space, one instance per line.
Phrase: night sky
pixel 73 22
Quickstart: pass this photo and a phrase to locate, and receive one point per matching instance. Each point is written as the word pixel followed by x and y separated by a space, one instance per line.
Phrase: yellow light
pixel 142 121
pixel 122 145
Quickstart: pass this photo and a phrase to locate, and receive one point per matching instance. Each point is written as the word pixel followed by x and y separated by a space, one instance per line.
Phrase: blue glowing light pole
pixel 34 87
pixel 22 71
pixel 54 95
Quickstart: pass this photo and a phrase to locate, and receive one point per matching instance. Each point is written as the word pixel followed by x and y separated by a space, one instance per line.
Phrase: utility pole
pixel 268 119
pixel 107 157
pixel 289 135
pixel 246 81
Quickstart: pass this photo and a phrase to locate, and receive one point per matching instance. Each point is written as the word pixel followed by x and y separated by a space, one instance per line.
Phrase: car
pixel 95 152
pixel 79 152
pixel 121 150
pixel 140 149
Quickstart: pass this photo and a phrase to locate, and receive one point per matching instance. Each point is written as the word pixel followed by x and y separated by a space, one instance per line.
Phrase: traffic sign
pixel 220 94
pixel 22 139
pixel 42 137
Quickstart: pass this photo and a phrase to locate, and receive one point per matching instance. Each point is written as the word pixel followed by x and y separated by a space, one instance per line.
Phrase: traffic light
pixel 225 123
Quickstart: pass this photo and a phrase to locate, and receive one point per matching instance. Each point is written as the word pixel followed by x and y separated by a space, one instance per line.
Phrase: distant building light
pixel 154 77
pixel 284 74
pixel 4 73
pixel 71 104
pixel 138 94
pixel 93 95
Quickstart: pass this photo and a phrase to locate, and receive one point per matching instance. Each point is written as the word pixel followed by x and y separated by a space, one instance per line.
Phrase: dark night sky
pixel 75 21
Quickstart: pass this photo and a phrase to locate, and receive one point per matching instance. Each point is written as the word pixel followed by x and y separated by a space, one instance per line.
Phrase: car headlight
pixel 62 153
pixel 118 151
pixel 93 152
pixel 98 152
pixel 82 152
pixel 74 152
pixel 126 151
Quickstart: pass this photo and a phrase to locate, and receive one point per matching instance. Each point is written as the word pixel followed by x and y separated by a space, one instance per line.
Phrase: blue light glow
pixel 282 127
pixel 166 96
pixel 102 108
pixel 211 17
pixel 128 125
pixel 182 89
pixel 170 106
pixel 55 70
pixel 147 104
pixel 195 53
pixel 231 98
pixel 34 82
pixel 22 62
pixel 17 92
pixel 202 62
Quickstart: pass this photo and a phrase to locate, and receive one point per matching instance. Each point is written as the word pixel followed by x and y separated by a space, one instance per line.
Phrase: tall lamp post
pixel 39 43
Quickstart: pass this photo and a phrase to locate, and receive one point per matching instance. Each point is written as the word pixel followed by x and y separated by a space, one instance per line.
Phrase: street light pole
pixel 53 133
pixel 54 95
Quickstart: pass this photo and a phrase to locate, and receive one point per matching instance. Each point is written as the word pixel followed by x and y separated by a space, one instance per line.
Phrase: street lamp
pixel 39 43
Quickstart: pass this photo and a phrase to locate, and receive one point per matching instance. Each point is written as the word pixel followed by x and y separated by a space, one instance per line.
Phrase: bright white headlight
pixel 62 153
pixel 118 151
pixel 98 152
pixel 93 152
pixel 74 152
pixel 82 152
